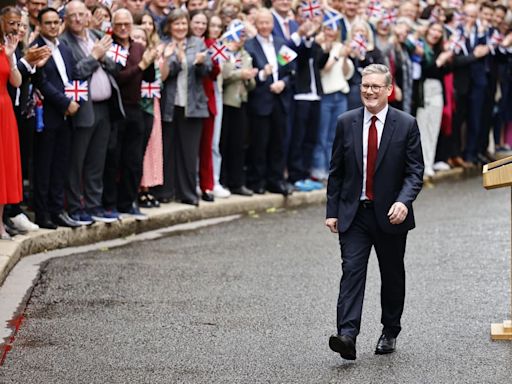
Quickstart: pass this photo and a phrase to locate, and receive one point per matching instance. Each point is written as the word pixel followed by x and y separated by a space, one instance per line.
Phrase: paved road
pixel 253 301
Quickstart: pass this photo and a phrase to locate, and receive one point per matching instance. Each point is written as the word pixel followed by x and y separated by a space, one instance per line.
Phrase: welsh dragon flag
pixel 286 55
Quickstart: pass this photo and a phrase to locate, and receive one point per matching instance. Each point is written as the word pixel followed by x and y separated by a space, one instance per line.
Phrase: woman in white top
pixel 334 76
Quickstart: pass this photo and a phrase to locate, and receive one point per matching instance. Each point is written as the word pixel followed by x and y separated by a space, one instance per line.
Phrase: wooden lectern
pixel 496 175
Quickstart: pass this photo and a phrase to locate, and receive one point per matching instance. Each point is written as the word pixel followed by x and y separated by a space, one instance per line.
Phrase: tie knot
pixel 374 119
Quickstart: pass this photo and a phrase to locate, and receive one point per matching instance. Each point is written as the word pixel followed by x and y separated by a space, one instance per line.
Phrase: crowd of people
pixel 107 106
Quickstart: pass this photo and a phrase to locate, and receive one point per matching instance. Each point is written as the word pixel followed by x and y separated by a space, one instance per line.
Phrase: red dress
pixel 10 164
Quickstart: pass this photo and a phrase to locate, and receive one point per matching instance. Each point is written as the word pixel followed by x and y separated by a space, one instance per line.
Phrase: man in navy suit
pixel 52 143
pixel 284 25
pixel 268 106
pixel 376 173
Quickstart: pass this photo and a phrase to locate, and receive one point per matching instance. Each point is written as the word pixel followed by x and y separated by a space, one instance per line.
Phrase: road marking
pixel 18 285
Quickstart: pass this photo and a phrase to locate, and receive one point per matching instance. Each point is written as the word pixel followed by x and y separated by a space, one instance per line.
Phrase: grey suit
pixel 92 125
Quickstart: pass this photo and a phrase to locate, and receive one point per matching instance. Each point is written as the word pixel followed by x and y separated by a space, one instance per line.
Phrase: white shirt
pixel 367 120
pixel 59 61
pixel 270 53
pixel 313 95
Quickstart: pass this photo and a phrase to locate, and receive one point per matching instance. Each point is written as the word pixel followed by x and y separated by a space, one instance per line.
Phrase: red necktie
pixel 371 158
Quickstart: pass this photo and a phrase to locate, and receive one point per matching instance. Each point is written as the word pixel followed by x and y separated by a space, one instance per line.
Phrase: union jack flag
pixel 458 43
pixel 219 52
pixel 118 54
pixel 77 90
pixel 310 9
pixel 234 31
pixel 359 43
pixel 374 8
pixel 150 90
pixel 331 19
pixel 389 16
pixel 495 41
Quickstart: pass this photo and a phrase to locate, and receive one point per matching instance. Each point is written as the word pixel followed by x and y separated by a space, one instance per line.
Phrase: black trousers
pixel 233 146
pixel 303 139
pixel 356 244
pixel 266 162
pixel 181 139
pixel 51 167
pixel 123 167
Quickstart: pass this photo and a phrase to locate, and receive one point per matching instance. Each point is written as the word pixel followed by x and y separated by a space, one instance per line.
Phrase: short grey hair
pixel 380 69
pixel 122 11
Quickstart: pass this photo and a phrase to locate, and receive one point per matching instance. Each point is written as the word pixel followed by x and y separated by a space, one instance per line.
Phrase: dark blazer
pixel 302 78
pixel 278 32
pixel 85 67
pixel 261 100
pixel 24 87
pixel 398 170
pixel 49 82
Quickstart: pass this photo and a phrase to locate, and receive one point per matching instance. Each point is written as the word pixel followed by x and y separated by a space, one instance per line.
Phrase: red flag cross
pixel 118 54
pixel 219 52
pixel 150 90
pixel 374 8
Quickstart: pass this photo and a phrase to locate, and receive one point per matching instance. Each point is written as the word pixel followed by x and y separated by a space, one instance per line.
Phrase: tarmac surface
pixel 253 301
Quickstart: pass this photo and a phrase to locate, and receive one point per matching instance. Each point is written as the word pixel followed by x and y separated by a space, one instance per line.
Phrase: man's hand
pixel 248 73
pixel 397 213
pixel 277 87
pixel 36 54
pixel 72 108
pixel 480 51
pixel 148 58
pixel 101 47
pixel 332 224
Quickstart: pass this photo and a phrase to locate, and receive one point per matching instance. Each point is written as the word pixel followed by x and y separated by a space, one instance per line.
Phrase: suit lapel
pixel 260 52
pixel 357 131
pixel 387 133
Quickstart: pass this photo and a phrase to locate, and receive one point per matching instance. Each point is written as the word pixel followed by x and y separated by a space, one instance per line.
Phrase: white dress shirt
pixel 59 61
pixel 367 120
pixel 270 53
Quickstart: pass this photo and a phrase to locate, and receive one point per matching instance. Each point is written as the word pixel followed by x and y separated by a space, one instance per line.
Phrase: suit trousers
pixel 356 244
pixel 87 160
pixel 233 145
pixel 51 166
pixel 123 168
pixel 303 139
pixel 266 162
pixel 181 139
pixel 206 178
pixel 476 106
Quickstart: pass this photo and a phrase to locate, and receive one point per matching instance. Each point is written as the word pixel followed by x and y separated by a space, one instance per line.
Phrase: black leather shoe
pixel 280 188
pixel 243 191
pixel 63 220
pixel 208 196
pixel 46 223
pixel 385 345
pixel 190 202
pixel 344 345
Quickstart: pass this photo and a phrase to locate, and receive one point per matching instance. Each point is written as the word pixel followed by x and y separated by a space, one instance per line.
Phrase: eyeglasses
pixel 374 87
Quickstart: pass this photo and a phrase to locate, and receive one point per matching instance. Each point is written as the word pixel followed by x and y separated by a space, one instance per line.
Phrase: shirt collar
pixel 381 116
pixel 279 17
pixel 264 40
pixel 50 44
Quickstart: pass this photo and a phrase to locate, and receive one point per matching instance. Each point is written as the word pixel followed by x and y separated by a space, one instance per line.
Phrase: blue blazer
pixel 398 170
pixel 278 32
pixel 261 100
pixel 50 84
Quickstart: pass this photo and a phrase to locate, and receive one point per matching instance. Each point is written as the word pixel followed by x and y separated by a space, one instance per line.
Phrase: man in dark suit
pixel 376 173
pixel 268 106
pixel 284 25
pixel 51 145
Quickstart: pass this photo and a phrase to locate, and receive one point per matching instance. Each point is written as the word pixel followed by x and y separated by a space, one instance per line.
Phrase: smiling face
pixel 264 23
pixel 122 25
pixel 179 29
pixel 434 34
pixel 215 27
pixel 198 25
pixel 76 17
pixel 10 23
pixel 375 101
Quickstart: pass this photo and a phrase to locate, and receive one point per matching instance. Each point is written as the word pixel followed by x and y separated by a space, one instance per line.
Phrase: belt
pixel 366 204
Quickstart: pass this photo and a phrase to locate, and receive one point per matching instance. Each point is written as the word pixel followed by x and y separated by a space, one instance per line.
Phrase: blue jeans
pixel 331 106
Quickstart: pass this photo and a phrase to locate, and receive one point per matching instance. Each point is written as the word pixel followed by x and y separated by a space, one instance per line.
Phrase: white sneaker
pixel 22 223
pixel 221 192
pixel 441 166
pixel 429 172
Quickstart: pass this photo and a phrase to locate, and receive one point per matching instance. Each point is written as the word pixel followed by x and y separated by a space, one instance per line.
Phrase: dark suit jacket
pixel 24 87
pixel 261 100
pixel 49 82
pixel 398 170
pixel 85 67
pixel 278 32
pixel 302 78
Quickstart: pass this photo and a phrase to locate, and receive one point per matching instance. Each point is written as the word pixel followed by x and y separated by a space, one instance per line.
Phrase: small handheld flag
pixel 310 9
pixel 374 9
pixel 458 43
pixel 219 52
pixel 360 44
pixel 331 19
pixel 234 31
pixel 286 55
pixel 150 90
pixel 389 16
pixel 77 90
pixel 118 54
pixel 495 40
